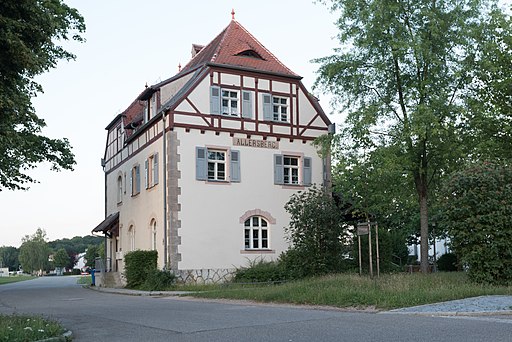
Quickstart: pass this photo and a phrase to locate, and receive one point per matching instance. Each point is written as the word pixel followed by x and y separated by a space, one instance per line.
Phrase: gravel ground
pixel 483 305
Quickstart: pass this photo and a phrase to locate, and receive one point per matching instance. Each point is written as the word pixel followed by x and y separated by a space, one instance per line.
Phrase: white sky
pixel 128 44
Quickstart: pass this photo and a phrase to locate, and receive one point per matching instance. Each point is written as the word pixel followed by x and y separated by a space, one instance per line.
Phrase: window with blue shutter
pixel 201 163
pixel 235 166
pixel 278 169
pixel 306 171
pixel 214 100
pixel 267 107
pixel 137 179
pixel 146 173
pixel 155 169
pixel 247 104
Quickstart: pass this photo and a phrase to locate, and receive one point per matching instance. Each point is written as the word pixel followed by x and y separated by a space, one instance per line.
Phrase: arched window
pixel 119 189
pixel 152 226
pixel 131 234
pixel 256 233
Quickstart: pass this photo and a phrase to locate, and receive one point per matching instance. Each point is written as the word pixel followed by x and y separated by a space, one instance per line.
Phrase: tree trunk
pixel 423 231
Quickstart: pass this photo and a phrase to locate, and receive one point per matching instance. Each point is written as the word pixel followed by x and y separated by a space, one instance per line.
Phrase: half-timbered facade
pixel 199 166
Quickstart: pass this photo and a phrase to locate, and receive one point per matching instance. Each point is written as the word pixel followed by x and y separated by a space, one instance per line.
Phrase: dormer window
pixel 250 53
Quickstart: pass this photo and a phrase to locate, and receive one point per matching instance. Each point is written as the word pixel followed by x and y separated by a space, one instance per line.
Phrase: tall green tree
pixel 61 258
pixel 29 34
pixel 402 75
pixel 34 252
pixel 490 99
pixel 9 257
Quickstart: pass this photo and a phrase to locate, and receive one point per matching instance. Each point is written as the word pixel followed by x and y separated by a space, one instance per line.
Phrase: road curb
pixel 66 336
pixel 450 313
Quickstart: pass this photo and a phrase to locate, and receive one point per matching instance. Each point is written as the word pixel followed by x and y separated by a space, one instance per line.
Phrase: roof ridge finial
pixel 179 67
pixel 232 14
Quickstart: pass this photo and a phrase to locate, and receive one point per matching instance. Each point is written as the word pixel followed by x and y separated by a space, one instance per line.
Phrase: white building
pixel 208 193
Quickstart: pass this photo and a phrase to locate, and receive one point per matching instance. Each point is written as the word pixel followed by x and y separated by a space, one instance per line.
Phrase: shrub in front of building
pixel 476 211
pixel 317 232
pixel 138 265
pixel 261 271
pixel 447 262
pixel 158 280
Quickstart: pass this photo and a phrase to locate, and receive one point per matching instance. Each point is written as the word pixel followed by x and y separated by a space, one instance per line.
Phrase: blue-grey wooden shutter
pixel 155 169
pixel 146 172
pixel 201 163
pixel 267 107
pixel 214 100
pixel 247 104
pixel 278 169
pixel 306 169
pixel 235 166
pixel 131 183
pixel 137 178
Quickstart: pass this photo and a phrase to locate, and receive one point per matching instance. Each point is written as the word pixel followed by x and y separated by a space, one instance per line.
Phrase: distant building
pixel 208 193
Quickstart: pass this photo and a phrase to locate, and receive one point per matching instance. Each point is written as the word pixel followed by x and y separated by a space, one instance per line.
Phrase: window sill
pixel 257 251
pixel 222 182
pixel 293 186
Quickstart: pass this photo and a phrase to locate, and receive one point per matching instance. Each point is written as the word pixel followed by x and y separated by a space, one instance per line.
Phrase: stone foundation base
pixel 205 276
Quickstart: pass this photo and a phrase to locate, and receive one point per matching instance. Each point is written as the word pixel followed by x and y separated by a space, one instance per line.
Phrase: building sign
pixel 255 143
pixel 363 229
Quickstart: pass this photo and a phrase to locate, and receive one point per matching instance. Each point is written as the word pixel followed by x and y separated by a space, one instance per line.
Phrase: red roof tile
pixel 225 49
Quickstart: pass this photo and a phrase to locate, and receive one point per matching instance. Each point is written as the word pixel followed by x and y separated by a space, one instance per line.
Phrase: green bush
pixel 138 265
pixel 476 211
pixel 447 262
pixel 158 280
pixel 260 271
pixel 316 232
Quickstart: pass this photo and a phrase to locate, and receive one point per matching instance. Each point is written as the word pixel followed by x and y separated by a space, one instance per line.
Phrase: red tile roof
pixel 227 47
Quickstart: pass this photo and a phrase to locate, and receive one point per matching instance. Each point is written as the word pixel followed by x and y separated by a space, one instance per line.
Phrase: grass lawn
pixel 7 280
pixel 85 280
pixel 350 290
pixel 27 328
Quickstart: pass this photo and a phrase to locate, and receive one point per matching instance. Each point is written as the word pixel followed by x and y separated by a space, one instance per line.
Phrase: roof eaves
pixel 113 122
pixel 235 67
pixel 172 102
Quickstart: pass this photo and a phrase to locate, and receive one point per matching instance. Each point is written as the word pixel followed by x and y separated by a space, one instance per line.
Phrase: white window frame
pixel 277 108
pixel 131 234
pixel 153 234
pixel 151 171
pixel 229 96
pixel 119 189
pixel 135 180
pixel 292 171
pixel 213 165
pixel 256 233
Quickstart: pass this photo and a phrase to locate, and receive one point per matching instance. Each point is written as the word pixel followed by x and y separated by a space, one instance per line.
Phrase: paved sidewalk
pixel 475 306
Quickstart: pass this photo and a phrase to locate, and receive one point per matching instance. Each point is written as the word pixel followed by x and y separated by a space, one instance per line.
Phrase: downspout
pixel 105 214
pixel 164 162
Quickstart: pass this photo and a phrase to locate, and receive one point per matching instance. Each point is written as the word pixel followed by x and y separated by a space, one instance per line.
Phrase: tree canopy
pixel 34 252
pixel 29 33
pixel 9 257
pixel 404 74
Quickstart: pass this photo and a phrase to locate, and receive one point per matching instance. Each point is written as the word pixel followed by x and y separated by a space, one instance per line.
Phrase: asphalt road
pixel 100 316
